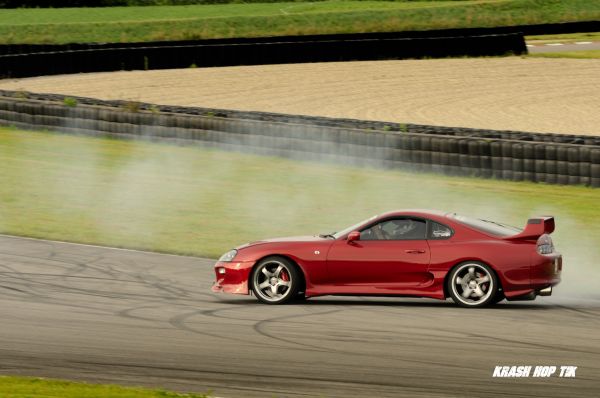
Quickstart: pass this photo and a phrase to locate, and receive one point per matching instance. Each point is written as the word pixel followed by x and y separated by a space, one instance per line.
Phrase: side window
pixel 396 229
pixel 439 231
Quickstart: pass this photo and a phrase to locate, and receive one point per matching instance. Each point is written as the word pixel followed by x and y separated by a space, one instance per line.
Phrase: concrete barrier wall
pixel 507 155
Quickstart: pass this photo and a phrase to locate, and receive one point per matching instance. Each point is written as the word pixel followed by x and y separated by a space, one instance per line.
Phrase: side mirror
pixel 353 236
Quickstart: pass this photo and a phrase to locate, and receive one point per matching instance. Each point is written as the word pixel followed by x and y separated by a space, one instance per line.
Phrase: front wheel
pixel 275 280
pixel 498 297
pixel 473 284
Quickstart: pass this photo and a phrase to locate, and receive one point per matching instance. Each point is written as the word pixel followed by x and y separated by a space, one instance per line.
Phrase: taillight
pixel 544 245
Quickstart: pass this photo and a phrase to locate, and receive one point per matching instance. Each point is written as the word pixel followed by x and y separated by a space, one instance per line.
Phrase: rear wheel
pixel 275 280
pixel 473 284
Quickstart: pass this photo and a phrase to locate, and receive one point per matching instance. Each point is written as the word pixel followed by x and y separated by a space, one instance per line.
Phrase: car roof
pixel 425 213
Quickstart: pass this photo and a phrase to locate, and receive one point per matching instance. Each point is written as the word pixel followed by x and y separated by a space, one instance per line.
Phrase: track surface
pixel 557 46
pixel 563 47
pixel 512 93
pixel 108 315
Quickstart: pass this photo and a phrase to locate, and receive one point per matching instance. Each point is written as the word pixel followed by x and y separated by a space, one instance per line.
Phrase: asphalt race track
pixel 562 47
pixel 108 315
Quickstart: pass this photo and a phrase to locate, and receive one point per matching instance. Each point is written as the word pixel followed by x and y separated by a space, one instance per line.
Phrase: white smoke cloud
pixel 137 192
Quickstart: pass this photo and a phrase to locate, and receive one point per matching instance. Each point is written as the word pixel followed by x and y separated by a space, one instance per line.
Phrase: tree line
pixel 113 3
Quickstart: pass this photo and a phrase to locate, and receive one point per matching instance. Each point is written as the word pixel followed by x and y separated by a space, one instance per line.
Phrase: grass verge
pixel 29 387
pixel 131 24
pixel 196 201
pixel 590 54
pixel 565 38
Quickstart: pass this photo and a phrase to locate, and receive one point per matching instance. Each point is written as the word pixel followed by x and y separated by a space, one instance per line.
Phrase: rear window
pixel 487 226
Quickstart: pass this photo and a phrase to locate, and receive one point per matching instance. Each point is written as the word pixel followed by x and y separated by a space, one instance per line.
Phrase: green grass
pixel 590 54
pixel 202 202
pixel 29 387
pixel 565 38
pixel 130 24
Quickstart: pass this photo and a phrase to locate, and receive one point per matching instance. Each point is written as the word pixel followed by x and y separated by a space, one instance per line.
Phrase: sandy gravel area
pixel 542 95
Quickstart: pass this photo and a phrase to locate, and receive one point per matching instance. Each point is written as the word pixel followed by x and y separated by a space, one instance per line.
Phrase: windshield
pixel 487 226
pixel 352 228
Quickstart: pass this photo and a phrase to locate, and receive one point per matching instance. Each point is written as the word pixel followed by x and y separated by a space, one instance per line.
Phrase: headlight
pixel 229 256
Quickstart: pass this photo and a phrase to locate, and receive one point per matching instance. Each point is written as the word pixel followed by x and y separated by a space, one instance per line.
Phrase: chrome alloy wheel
pixel 473 284
pixel 272 281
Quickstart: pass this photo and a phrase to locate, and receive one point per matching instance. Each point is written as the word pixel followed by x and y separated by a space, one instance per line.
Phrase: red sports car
pixel 414 253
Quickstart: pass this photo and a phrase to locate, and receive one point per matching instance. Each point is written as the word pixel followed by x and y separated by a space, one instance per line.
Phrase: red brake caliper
pixel 479 275
pixel 284 276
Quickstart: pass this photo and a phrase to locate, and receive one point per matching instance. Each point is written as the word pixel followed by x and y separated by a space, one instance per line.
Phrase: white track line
pixel 554 44
pixel 583 42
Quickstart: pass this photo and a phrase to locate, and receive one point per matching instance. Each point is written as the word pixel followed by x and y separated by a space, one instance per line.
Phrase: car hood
pixel 291 239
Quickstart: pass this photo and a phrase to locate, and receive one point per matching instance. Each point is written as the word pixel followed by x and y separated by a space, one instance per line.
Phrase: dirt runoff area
pixel 527 94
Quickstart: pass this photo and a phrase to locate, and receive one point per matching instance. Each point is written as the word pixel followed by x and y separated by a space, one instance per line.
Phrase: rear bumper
pixel 546 271
pixel 232 277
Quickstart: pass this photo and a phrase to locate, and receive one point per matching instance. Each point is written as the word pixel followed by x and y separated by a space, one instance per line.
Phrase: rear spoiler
pixel 535 228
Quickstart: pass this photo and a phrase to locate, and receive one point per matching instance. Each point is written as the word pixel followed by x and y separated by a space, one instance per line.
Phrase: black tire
pixel 472 278
pixel 275 271
pixel 498 297
pixel 300 297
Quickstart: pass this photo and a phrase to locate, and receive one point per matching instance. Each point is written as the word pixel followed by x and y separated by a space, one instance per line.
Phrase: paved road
pixel 128 317
pixel 557 47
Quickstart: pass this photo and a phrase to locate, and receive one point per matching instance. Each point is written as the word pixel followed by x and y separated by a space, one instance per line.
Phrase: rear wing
pixel 535 228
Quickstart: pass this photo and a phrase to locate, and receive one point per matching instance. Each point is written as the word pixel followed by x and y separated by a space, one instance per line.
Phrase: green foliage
pixel 113 3
pixel 60 3
pixel 132 24
pixel 25 387
pixel 70 102
pixel 132 106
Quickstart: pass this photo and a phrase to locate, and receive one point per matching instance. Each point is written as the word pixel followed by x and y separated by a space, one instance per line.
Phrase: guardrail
pixel 561 159
pixel 276 51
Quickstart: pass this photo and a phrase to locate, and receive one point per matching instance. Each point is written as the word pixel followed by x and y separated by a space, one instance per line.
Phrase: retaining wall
pixel 457 151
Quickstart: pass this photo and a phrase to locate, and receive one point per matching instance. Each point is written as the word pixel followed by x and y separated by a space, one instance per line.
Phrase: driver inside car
pixel 399 229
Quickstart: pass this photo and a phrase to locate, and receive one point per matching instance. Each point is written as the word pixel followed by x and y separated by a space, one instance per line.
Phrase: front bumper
pixel 232 277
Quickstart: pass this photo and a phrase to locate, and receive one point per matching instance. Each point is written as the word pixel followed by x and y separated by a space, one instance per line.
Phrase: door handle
pixel 415 251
